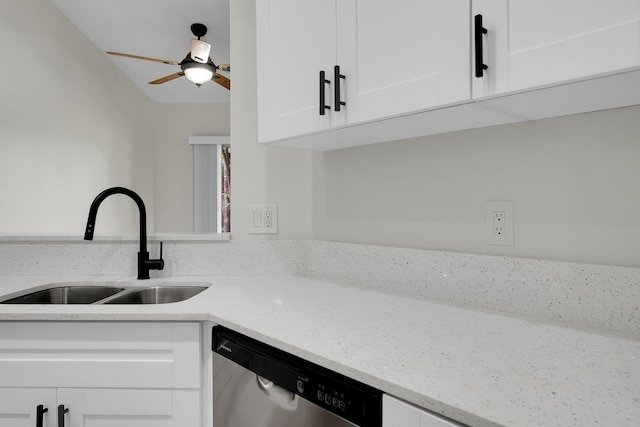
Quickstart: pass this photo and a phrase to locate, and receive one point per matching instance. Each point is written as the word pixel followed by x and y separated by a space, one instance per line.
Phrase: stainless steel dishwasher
pixel 256 385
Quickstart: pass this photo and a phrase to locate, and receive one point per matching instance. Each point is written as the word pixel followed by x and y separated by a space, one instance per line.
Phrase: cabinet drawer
pixel 100 354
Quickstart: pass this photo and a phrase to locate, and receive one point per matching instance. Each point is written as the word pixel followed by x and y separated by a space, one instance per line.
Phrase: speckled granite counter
pixel 476 366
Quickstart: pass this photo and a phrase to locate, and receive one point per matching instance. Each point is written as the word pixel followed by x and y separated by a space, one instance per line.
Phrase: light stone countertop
pixel 478 367
pixel 152 237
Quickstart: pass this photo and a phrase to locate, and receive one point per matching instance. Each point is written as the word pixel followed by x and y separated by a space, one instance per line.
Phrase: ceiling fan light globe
pixel 198 75
pixel 196 72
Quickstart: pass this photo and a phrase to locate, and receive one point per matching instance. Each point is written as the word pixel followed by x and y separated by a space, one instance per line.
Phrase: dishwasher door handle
pixel 278 394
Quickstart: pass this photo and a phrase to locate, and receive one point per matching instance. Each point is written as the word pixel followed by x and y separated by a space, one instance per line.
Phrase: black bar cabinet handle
pixel 40 410
pixel 323 82
pixel 479 31
pixel 336 78
pixel 61 411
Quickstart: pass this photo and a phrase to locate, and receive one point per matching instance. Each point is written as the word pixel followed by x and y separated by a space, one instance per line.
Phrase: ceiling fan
pixel 197 66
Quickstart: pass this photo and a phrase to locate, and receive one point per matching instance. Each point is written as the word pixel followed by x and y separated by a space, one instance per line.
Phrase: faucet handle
pixel 156 264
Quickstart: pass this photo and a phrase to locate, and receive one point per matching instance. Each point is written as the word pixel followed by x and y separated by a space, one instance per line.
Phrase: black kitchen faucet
pixel 144 263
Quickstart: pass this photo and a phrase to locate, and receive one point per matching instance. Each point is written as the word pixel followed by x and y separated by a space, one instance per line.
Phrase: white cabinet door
pixel 130 407
pixel 396 413
pixel 533 43
pixel 428 419
pixel 395 60
pixel 19 406
pixel 295 41
pixel 100 354
pixel 403 57
pixel 112 374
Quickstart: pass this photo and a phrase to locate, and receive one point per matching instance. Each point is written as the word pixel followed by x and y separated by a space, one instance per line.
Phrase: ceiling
pixel 158 29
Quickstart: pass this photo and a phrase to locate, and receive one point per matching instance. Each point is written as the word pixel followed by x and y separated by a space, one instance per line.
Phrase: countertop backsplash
pixel 595 296
pixel 604 298
pixel 183 257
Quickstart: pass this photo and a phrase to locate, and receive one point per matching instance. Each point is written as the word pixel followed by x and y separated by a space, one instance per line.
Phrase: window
pixel 211 184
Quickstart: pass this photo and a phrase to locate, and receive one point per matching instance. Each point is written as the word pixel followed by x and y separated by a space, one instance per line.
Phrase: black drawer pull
pixel 479 31
pixel 336 78
pixel 61 411
pixel 40 410
pixel 323 82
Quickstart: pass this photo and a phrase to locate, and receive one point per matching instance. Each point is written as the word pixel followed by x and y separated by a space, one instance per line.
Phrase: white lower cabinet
pixel 103 374
pixel 97 407
pixel 396 413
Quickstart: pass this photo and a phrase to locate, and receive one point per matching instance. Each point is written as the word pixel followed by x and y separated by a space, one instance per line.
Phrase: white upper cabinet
pixel 534 43
pixel 413 68
pixel 539 44
pixel 402 57
pixel 295 41
pixel 393 60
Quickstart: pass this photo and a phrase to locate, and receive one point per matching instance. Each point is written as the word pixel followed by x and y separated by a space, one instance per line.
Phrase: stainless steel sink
pixel 103 293
pixel 155 295
pixel 66 295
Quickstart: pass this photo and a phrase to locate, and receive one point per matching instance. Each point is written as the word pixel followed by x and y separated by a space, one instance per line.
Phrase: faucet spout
pixel 144 263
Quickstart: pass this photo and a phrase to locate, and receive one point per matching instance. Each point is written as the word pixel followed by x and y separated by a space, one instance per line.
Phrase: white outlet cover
pixel 258 222
pixel 506 238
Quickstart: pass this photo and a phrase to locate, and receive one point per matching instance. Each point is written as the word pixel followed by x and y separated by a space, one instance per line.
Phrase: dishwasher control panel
pixel 343 396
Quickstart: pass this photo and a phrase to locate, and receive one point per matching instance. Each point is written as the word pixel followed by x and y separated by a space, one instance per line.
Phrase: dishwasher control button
pixel 327 399
pixel 300 386
pixel 342 406
pixel 320 396
pixel 336 403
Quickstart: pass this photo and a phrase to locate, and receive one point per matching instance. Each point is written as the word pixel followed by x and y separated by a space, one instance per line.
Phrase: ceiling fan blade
pixel 167 78
pixel 164 61
pixel 224 67
pixel 222 81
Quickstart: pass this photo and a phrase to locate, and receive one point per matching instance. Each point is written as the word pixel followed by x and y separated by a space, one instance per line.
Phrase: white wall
pixel 71 125
pixel 574 182
pixel 260 174
pixel 174 124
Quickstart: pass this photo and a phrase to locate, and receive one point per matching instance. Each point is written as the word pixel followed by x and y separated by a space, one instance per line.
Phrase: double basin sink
pixel 108 294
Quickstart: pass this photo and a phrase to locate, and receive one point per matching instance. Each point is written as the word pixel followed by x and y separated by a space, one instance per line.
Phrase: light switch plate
pixel 263 219
pixel 499 223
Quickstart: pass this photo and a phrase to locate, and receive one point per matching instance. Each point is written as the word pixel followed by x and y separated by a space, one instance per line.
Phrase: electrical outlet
pixel 264 219
pixel 268 219
pixel 499 223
